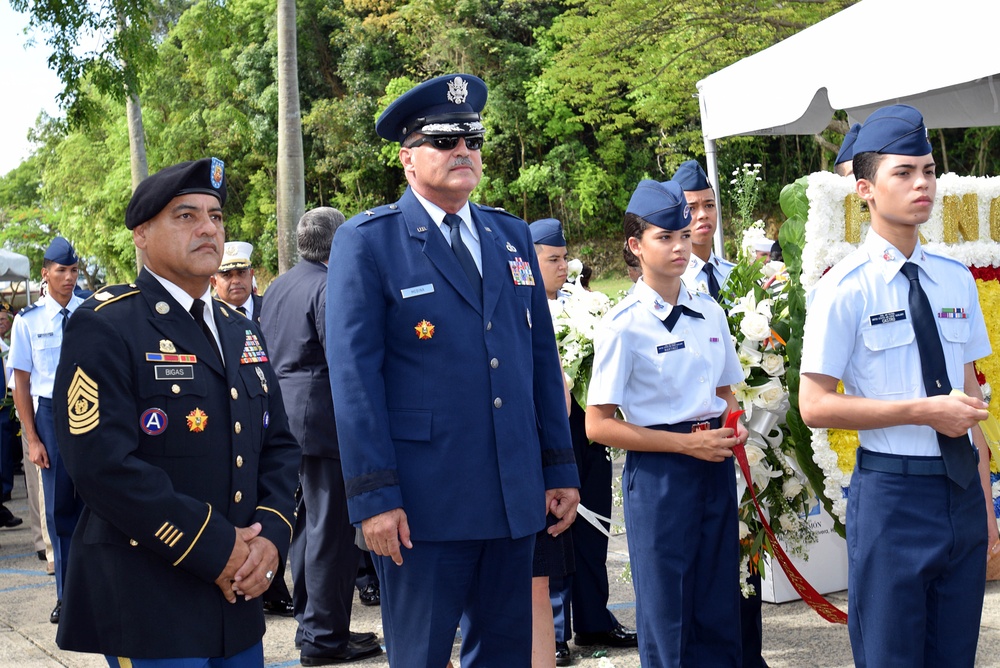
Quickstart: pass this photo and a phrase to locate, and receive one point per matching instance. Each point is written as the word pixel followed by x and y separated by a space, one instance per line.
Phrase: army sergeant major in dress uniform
pixel 177 440
pixel 451 413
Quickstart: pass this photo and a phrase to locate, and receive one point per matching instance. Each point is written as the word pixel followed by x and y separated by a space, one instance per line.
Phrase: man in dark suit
pixel 324 557
pixel 451 408
pixel 176 438
pixel 234 281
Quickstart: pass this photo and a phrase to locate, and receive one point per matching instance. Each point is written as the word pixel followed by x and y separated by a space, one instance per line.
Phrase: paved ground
pixel 794 636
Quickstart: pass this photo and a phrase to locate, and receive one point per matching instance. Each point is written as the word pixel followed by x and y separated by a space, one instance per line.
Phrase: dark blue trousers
pixel 324 559
pixel 248 658
pixel 916 549
pixel 9 455
pixel 482 586
pixel 62 505
pixel 683 540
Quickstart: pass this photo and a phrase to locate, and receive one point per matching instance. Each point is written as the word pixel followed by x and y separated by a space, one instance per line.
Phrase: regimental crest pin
pixel 82 399
pixel 167 346
pixel 425 330
pixel 197 420
pixel 458 90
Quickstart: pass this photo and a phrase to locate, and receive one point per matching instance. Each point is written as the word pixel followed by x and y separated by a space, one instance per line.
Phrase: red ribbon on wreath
pixel 813 599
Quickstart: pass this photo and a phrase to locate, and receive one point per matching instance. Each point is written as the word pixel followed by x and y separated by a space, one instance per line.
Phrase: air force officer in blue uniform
pixel 451 413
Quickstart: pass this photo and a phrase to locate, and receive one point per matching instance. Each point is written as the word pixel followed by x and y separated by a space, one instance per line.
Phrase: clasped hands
pixel 252 559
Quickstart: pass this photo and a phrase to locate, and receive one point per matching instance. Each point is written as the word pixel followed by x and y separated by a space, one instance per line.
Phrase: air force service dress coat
pixel 170 451
pixel 449 406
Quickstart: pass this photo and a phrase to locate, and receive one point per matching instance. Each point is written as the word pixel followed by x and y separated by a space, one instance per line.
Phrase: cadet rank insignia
pixel 253 352
pixel 197 420
pixel 425 330
pixel 84 414
pixel 521 271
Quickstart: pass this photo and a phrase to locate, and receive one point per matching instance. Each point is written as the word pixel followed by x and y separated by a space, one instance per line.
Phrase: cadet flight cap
pixel 691 176
pixel 548 232
pixel 846 152
pixel 445 105
pixel 661 204
pixel 897 129
pixel 61 252
pixel 206 176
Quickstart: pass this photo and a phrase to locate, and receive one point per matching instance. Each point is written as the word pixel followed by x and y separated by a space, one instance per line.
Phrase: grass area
pixel 611 285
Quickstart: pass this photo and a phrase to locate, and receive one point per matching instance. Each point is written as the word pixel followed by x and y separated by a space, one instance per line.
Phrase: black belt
pixel 45 401
pixel 899 464
pixel 687 427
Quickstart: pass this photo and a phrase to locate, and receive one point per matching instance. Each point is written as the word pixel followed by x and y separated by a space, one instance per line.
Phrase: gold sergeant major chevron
pixel 84 413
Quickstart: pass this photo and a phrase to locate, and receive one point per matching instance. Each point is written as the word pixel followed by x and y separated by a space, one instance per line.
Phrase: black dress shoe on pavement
pixel 41 555
pixel 563 656
pixel 356 638
pixel 8 520
pixel 56 611
pixel 354 652
pixel 619 636
pixel 370 595
pixel 280 608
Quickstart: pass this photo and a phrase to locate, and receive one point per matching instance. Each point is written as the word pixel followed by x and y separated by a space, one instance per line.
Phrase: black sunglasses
pixel 446 143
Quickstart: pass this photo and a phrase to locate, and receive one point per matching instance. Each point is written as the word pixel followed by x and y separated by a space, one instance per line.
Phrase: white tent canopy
pixel 940 57
pixel 15 267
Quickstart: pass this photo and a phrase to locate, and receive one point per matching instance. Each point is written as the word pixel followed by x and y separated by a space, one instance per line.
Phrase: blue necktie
pixel 454 223
pixel 957 453
pixel 65 315
pixel 675 314
pixel 713 284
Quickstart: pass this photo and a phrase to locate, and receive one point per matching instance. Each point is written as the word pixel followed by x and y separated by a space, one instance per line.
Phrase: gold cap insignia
pixel 81 398
pixel 167 346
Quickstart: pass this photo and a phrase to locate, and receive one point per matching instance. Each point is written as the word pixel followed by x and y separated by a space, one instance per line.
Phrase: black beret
pixel 206 176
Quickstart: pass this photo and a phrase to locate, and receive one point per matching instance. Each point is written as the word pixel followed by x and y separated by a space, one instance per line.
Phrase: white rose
pixel 754 454
pixel 770 395
pixel 744 530
pixel 755 326
pixel 791 488
pixel 773 365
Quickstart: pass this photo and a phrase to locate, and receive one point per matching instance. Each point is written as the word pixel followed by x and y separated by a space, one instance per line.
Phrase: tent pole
pixel 712 167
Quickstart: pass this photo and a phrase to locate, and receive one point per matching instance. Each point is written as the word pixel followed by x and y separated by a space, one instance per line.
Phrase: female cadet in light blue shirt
pixel 664 357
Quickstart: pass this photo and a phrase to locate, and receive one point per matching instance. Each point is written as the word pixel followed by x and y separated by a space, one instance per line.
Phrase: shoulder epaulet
pixel 369 215
pixel 28 309
pixel 497 209
pixel 845 267
pixel 110 294
pixel 940 253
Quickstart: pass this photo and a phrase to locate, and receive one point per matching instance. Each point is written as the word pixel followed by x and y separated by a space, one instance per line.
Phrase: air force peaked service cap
pixel 661 204
pixel 61 252
pixel 691 176
pixel 897 129
pixel 445 105
pixel 548 232
pixel 206 176
pixel 846 152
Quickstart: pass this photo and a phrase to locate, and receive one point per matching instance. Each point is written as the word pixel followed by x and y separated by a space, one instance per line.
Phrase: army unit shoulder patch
pixel 82 397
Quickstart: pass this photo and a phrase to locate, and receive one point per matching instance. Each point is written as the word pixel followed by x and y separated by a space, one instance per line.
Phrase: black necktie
pixel 454 223
pixel 713 284
pixel 958 455
pixel 65 315
pixel 242 310
pixel 675 314
pixel 198 312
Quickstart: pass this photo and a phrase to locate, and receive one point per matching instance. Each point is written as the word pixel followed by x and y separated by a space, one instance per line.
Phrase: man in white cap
pixel 234 281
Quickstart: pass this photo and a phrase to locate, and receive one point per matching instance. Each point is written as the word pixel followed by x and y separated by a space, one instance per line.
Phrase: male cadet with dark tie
pixel 177 440
pixel 843 165
pixel 451 410
pixel 35 342
pixel 580 599
pixel 900 325
pixel 233 282
pixel 324 558
pixel 705 271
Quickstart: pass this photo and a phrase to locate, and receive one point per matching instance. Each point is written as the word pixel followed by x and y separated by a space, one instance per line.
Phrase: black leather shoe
pixel 56 611
pixel 8 520
pixel 356 638
pixel 563 656
pixel 370 595
pixel 354 652
pixel 280 608
pixel 41 555
pixel 619 636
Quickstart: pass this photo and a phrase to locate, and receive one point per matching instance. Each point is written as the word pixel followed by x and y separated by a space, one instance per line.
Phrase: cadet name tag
pixel 886 318
pixel 174 372
pixel 666 348
pixel 417 291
